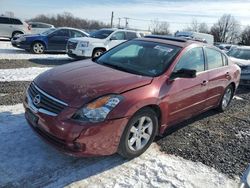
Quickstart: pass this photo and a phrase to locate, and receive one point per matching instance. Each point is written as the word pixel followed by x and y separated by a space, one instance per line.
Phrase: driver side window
pixel 192 60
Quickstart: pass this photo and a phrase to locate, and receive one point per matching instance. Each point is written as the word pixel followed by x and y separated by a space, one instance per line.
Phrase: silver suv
pixel 10 27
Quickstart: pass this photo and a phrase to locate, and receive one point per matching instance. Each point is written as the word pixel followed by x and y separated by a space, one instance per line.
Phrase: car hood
pixel 80 82
pixel 87 39
pixel 240 62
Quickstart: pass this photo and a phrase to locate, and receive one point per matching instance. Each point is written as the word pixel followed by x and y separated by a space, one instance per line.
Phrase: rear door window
pixel 62 32
pixel 75 34
pixel 16 21
pixel 118 36
pixel 4 20
pixel 214 58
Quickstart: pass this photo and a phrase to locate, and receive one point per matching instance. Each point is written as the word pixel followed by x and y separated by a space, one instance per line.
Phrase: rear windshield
pixel 239 53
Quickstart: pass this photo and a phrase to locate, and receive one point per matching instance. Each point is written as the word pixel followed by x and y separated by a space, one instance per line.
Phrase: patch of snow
pixel 7 51
pixel 26 161
pixel 238 98
pixel 21 74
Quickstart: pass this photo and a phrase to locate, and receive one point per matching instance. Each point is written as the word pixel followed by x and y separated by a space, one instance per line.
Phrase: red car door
pixel 187 96
pixel 219 75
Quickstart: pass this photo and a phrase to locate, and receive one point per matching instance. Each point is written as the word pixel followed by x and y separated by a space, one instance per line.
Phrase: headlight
pixel 98 110
pixel 84 44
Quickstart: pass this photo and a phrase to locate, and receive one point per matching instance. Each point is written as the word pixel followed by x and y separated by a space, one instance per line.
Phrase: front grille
pixel 46 101
pixel 71 45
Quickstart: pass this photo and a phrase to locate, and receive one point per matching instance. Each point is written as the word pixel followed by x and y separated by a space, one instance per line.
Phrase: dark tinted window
pixel 131 35
pixel 16 21
pixel 4 20
pixel 120 35
pixel 75 34
pixel 192 59
pixel 43 26
pixel 214 58
pixel 101 34
pixel 62 32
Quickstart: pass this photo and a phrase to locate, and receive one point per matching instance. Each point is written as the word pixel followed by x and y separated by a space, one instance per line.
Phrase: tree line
pixel 226 30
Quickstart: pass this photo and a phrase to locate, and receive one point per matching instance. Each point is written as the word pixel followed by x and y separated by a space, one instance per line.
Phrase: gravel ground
pixel 12 92
pixel 219 140
pixel 25 63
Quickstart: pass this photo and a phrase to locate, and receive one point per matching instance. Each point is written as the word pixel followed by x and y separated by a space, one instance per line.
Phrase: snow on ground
pixel 7 51
pixel 21 74
pixel 26 161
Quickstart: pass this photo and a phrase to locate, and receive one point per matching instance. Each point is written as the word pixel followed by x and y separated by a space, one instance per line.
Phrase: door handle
pixel 204 83
pixel 228 76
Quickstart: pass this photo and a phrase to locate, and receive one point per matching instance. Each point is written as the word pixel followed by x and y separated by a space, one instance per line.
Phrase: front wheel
pixel 226 98
pixel 138 134
pixel 97 53
pixel 38 48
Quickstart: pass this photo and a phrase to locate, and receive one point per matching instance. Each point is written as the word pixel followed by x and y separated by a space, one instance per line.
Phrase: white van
pixel 207 38
pixel 10 27
pixel 39 27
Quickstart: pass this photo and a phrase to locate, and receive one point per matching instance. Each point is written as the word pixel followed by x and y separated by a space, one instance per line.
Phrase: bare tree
pixel 160 28
pixel 203 28
pixel 197 27
pixel 245 36
pixel 67 19
pixel 226 30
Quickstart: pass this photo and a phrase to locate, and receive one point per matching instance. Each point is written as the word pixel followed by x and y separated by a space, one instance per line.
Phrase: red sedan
pixel 121 100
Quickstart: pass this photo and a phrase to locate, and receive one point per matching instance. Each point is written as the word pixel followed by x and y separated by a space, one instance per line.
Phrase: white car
pixel 39 27
pixel 98 42
pixel 10 27
pixel 241 56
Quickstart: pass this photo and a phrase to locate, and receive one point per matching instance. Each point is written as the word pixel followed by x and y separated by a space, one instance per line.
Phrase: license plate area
pixel 32 117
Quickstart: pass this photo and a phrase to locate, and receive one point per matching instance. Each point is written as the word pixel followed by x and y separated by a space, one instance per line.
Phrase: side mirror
pixel 184 73
pixel 245 180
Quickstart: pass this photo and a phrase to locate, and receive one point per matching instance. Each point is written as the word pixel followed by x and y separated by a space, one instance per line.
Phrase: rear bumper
pixel 79 139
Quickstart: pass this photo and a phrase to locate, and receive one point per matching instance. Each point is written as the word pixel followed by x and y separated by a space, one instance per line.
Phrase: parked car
pixel 54 39
pixel 119 101
pixel 98 42
pixel 39 27
pixel 10 27
pixel 203 37
pixel 241 56
pixel 245 179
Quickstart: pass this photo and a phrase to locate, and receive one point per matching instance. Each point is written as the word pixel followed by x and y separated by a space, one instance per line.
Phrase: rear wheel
pixel 38 48
pixel 226 98
pixel 138 134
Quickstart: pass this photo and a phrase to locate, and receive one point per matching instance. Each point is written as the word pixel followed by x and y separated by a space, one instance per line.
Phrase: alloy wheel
pixel 140 133
pixel 227 98
pixel 38 48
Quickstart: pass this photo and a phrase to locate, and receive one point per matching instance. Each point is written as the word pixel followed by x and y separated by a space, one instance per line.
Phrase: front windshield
pixel 140 57
pixel 49 31
pixel 239 53
pixel 101 34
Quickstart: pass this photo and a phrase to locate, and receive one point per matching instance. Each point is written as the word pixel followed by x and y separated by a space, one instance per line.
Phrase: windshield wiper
pixel 119 68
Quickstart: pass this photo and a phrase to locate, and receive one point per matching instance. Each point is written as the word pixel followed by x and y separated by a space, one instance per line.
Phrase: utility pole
pixel 112 19
pixel 119 23
pixel 126 22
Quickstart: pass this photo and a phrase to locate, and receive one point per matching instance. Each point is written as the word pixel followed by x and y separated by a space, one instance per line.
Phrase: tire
pixel 97 53
pixel 136 137
pixel 15 33
pixel 226 98
pixel 38 48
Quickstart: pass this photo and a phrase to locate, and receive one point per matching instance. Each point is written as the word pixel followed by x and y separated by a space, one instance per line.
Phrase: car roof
pixel 176 41
pixel 39 23
pixel 10 17
pixel 242 47
pixel 117 29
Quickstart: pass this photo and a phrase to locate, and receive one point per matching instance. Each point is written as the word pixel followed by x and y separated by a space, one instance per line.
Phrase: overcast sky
pixel 178 13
